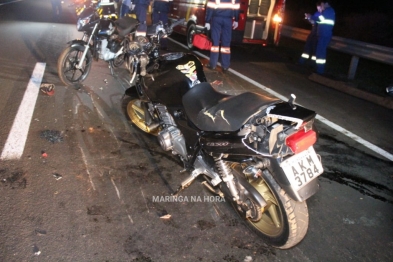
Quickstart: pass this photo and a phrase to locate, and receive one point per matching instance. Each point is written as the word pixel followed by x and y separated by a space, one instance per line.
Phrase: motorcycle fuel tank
pixel 178 73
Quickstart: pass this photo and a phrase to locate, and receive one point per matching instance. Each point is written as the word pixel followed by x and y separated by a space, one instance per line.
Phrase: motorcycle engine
pixel 171 138
pixel 109 49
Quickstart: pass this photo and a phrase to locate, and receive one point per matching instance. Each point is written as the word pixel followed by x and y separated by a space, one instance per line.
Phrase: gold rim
pixel 271 221
pixel 137 116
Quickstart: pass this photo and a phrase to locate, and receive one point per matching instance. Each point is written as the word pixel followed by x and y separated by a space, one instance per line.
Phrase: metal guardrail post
pixel 352 67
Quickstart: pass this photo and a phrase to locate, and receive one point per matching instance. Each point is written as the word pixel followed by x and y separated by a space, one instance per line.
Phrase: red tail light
pixel 301 140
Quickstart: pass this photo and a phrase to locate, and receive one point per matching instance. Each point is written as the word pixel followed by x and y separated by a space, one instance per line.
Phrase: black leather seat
pixel 210 110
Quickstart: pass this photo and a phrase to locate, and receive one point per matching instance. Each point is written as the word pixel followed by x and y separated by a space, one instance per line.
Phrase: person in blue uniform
pixel 325 22
pixel 125 7
pixel 222 17
pixel 161 9
pixel 56 9
pixel 140 9
pixel 312 39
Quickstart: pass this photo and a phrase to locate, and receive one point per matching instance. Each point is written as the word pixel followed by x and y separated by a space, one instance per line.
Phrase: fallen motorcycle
pixel 253 150
pixel 100 41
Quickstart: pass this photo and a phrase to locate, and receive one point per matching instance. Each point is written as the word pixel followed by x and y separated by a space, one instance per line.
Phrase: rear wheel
pixel 284 222
pixel 191 31
pixel 67 64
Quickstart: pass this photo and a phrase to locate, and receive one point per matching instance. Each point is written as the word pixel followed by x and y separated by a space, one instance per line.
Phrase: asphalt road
pixel 85 187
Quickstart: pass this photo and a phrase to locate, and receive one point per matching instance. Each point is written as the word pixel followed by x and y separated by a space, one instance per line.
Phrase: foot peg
pixel 186 183
pixel 213 190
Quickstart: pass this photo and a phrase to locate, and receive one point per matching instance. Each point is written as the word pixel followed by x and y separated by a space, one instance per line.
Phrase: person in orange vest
pixel 222 17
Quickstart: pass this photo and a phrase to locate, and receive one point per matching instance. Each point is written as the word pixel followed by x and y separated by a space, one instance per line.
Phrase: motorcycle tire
pixel 118 61
pixel 67 62
pixel 191 31
pixel 284 223
pixel 135 113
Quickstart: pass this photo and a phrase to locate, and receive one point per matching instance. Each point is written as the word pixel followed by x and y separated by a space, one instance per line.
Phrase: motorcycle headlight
pixel 82 22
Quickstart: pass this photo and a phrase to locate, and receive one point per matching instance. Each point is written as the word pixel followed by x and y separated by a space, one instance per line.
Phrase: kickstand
pixel 179 189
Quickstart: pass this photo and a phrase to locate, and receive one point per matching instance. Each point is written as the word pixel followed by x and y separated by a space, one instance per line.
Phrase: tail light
pixel 301 140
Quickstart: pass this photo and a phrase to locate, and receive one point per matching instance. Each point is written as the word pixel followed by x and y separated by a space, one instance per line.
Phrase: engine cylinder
pixel 171 138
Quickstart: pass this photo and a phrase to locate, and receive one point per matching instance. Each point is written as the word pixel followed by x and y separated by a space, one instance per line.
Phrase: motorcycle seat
pixel 125 25
pixel 210 110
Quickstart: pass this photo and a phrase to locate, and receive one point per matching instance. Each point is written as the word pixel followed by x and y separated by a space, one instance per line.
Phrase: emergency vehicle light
pixel 277 18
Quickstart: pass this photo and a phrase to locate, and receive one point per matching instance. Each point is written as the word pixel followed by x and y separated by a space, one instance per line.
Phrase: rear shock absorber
pixel 226 174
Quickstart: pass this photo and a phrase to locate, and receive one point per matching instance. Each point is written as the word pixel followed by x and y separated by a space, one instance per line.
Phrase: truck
pixel 260 21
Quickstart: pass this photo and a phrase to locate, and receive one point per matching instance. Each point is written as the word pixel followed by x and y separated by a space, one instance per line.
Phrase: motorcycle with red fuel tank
pixel 253 150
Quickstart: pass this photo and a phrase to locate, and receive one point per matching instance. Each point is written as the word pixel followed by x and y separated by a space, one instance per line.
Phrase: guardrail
pixel 355 48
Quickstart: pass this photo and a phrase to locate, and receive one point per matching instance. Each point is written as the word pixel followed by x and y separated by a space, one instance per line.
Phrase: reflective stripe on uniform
pixel 325 21
pixel 138 33
pixel 219 5
pixel 306 56
pixel 320 61
pixel 314 57
pixel 225 50
pixel 215 49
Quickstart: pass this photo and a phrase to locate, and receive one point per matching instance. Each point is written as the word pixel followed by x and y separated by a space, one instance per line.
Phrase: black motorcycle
pixel 255 151
pixel 100 41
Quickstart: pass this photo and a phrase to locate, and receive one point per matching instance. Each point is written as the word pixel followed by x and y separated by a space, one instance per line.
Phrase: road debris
pixel 167 216
pixel 57 176
pixel 44 154
pixel 48 89
pixel 40 232
pixel 217 83
pixel 248 259
pixel 53 136
pixel 36 250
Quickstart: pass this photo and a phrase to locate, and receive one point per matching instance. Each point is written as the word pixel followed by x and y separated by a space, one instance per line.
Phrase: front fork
pixel 79 66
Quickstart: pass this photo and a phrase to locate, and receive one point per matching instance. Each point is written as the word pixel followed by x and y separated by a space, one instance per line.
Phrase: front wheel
pixel 284 222
pixel 135 111
pixel 67 65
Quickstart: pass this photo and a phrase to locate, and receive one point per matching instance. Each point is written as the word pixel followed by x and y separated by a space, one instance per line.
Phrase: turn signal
pixel 301 140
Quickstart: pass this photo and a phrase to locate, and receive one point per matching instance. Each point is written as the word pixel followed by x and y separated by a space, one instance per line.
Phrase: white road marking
pixel 143 195
pixel 87 167
pixel 16 140
pixel 327 122
pixel 117 190
pixel 11 2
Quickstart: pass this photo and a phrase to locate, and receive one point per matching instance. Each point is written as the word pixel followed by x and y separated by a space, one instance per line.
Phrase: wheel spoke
pixel 274 215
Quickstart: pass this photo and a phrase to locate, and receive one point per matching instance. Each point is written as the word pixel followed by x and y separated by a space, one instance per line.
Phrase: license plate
pixel 302 168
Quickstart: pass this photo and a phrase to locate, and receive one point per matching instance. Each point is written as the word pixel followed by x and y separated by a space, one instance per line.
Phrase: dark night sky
pixel 343 7
pixel 367 21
